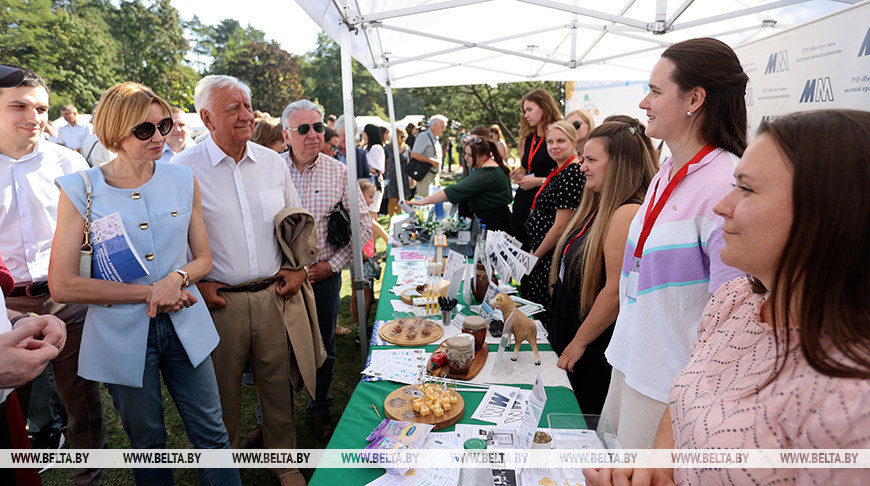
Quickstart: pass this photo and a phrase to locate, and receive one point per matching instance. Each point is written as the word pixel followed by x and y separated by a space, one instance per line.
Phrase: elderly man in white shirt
pixel 28 196
pixel 73 135
pixel 243 187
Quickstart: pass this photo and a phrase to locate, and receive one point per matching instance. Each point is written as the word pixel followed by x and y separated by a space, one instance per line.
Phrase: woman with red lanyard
pixel 671 264
pixel 539 111
pixel 588 258
pixel 552 207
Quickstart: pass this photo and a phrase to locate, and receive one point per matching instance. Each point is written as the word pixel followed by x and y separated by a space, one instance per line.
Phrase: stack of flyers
pixel 399 365
pixel 505 255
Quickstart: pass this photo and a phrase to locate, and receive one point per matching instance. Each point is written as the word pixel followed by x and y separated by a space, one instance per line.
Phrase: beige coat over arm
pixel 297 236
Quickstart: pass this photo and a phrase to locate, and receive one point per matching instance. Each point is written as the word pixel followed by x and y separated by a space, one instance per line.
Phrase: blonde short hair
pixel 121 108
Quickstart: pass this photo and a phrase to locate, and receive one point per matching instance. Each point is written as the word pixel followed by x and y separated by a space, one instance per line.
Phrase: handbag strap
pixel 88 194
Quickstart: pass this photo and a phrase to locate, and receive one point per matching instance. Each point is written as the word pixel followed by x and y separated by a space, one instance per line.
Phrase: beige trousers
pixel 634 416
pixel 252 324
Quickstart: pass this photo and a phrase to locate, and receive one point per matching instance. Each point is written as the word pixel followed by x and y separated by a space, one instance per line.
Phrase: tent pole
pixel 358 282
pixel 400 181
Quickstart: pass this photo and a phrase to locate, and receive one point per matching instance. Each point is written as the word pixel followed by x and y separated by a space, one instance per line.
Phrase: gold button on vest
pixel 136 195
pixel 143 226
pixel 149 256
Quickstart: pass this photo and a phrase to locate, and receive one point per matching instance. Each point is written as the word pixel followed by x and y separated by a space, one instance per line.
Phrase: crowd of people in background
pixel 681 295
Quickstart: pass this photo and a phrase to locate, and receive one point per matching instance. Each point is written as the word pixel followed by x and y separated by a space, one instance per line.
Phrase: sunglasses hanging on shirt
pixel 145 130
pixel 303 129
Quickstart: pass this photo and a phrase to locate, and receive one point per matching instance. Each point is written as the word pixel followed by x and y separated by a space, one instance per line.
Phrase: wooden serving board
pixel 473 370
pixel 386 333
pixel 399 405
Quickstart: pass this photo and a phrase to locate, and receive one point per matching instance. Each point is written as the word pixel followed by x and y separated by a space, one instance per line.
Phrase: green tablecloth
pixel 358 419
pixel 355 427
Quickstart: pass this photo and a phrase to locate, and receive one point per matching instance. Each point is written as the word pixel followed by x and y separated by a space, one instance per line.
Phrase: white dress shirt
pixel 73 136
pixel 28 207
pixel 239 203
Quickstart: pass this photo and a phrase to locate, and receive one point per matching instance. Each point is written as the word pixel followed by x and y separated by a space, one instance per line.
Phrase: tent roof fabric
pixel 459 42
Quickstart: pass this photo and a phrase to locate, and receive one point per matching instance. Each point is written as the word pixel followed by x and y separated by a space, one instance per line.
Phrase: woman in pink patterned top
pixel 782 359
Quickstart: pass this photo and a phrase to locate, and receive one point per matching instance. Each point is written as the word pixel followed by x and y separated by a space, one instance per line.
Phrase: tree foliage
pixel 271 72
pixel 60 47
pixel 82 47
pixel 321 75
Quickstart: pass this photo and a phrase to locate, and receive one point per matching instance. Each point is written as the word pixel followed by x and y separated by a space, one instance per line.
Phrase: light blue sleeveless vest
pixel 156 215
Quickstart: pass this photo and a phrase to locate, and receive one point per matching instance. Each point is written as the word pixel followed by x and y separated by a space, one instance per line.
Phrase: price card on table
pixel 533 413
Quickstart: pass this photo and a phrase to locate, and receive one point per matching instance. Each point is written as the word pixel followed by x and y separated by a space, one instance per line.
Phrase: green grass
pixel 349 363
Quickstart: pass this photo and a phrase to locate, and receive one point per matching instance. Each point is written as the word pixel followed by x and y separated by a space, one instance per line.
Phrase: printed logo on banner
pixel 817 90
pixel 865 46
pixel 765 118
pixel 777 62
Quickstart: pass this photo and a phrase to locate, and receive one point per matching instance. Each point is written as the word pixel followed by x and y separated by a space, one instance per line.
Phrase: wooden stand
pixel 399 405
pixel 473 370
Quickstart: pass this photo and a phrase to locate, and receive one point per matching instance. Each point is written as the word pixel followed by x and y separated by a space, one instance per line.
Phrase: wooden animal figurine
pixel 522 326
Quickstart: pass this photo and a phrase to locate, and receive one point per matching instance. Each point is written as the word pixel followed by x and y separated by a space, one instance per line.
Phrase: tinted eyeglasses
pixel 303 129
pixel 577 124
pixel 145 130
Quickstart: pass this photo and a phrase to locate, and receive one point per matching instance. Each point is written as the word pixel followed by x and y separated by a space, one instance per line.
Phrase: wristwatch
pixel 185 278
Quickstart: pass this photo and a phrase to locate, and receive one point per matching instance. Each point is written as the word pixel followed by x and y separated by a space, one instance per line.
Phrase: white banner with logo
pixel 818 65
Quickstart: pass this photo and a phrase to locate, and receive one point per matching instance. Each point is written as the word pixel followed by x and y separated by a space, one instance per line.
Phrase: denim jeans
pixel 43 415
pixel 195 393
pixel 326 296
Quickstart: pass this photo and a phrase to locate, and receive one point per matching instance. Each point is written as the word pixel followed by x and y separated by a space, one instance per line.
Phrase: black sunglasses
pixel 577 124
pixel 319 127
pixel 145 130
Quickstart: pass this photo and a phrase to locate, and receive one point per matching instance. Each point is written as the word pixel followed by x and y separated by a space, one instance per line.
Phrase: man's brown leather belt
pixel 33 291
pixel 255 286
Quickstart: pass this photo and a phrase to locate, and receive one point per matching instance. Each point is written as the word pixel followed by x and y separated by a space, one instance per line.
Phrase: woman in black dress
pixel 552 207
pixel 586 265
pixel 539 111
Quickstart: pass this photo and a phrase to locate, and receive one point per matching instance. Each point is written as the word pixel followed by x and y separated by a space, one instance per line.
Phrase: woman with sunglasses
pixel 552 207
pixel 156 325
pixel 539 111
pixel 588 257
pixel 583 123
pixel 487 188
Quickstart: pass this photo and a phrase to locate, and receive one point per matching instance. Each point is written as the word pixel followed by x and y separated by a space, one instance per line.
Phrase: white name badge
pixel 631 286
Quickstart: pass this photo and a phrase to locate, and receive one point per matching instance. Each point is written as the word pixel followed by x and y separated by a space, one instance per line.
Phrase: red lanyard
pixel 578 235
pixel 652 213
pixel 533 150
pixel 549 178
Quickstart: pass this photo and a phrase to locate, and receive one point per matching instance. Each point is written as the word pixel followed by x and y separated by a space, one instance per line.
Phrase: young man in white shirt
pixel 28 168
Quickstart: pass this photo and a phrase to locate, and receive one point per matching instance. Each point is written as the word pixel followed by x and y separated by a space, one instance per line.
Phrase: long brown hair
pixel 547 104
pixel 629 173
pixel 822 281
pixel 710 64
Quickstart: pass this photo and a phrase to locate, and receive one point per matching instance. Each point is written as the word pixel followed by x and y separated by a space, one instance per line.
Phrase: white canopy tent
pixel 416 43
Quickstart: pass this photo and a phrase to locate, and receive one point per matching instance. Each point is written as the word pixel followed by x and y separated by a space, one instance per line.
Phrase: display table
pixel 359 419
